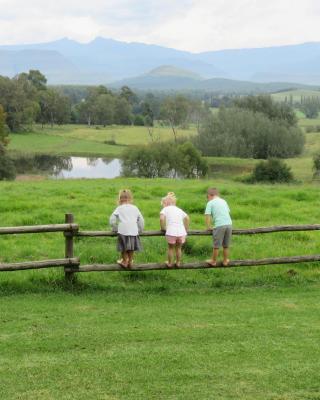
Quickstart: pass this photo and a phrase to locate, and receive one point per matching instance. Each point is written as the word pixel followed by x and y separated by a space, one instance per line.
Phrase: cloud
pixel 194 25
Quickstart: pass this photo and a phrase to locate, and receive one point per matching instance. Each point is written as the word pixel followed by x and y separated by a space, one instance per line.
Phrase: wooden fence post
pixel 69 219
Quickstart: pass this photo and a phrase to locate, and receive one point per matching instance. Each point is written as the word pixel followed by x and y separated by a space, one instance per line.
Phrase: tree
pixel 310 107
pixel 174 110
pixel 18 97
pixel 3 126
pixel 54 108
pixel 127 94
pixel 122 112
pixel 36 78
pixel 265 105
pixel 7 169
pixel 104 109
pixel 244 133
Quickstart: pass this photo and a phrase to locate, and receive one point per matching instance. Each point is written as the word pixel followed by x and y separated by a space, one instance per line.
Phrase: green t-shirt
pixel 220 212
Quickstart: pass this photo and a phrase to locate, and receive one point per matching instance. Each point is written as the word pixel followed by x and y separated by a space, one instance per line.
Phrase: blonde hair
pixel 125 196
pixel 169 200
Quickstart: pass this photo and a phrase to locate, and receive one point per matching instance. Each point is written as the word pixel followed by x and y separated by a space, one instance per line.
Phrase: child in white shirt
pixel 176 223
pixel 128 222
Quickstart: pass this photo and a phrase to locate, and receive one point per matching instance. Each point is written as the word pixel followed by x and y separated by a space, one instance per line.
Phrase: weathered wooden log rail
pixel 72 265
pixel 197 265
pixel 250 231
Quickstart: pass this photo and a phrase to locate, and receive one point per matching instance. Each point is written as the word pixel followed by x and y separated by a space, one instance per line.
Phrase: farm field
pixel 247 333
pixel 295 95
pixel 82 140
pixel 79 140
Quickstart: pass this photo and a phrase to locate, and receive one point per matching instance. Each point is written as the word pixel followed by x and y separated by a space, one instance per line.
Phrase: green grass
pixel 82 140
pixel 138 344
pixel 247 333
pixel 296 95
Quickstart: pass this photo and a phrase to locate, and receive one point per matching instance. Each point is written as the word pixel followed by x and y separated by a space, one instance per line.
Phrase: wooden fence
pixel 72 265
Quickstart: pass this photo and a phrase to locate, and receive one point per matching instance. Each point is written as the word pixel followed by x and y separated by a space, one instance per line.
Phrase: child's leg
pixel 225 244
pixel 225 256
pixel 178 254
pixel 215 254
pixel 124 259
pixel 130 258
pixel 170 253
pixel 213 260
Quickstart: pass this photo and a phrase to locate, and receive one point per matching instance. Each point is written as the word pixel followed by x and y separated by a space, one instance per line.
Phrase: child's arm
pixel 208 221
pixel 140 222
pixel 162 222
pixel 186 221
pixel 114 221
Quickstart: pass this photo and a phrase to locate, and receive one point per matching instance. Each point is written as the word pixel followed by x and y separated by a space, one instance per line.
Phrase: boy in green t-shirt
pixel 218 212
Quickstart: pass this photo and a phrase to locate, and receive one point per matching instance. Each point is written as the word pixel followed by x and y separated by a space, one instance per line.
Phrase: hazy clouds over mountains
pixel 106 60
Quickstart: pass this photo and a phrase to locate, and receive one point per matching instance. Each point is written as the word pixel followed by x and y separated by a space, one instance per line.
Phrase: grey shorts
pixel 222 236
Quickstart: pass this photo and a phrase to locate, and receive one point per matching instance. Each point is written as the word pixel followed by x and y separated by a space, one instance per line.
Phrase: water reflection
pixel 42 164
pixel 68 167
pixel 92 168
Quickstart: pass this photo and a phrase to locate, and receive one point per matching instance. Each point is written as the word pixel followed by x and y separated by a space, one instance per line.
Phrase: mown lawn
pixel 135 342
pixel 247 333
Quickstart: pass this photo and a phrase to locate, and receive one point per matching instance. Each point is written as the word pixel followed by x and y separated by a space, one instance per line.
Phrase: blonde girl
pixel 128 222
pixel 176 223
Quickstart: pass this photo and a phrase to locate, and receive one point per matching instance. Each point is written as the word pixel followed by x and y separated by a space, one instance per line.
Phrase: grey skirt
pixel 128 243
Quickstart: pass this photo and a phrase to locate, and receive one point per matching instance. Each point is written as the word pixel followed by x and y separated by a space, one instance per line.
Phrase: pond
pixel 57 167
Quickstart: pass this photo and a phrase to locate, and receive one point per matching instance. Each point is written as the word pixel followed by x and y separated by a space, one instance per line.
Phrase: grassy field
pixel 250 333
pixel 82 140
pixel 79 140
pixel 296 95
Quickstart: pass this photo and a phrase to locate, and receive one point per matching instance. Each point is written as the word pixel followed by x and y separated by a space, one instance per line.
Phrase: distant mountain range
pixel 103 61
pixel 169 78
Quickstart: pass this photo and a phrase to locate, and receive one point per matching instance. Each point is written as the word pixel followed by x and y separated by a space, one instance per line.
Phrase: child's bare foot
pixel 130 264
pixel 169 265
pixel 225 263
pixel 178 264
pixel 122 263
pixel 212 263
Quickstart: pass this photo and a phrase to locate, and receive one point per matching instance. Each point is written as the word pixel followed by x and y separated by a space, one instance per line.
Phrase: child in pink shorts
pixel 176 223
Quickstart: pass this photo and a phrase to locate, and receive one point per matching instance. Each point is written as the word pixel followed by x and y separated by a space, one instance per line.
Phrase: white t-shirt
pixel 174 221
pixel 127 220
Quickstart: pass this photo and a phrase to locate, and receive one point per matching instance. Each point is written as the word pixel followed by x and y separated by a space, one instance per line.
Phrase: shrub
pixel 164 160
pixel 7 168
pixel 316 165
pixel 272 171
pixel 138 120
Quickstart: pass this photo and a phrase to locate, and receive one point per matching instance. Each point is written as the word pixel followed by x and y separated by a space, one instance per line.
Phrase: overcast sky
pixel 193 25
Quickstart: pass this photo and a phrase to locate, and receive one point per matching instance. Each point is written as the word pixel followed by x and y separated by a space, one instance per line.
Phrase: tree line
pixel 247 127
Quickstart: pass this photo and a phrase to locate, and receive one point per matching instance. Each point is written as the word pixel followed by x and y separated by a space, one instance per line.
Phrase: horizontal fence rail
pixel 39 229
pixel 20 266
pixel 208 232
pixel 197 265
pixel 71 264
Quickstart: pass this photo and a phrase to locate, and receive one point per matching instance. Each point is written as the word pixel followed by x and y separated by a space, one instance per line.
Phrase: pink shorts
pixel 175 239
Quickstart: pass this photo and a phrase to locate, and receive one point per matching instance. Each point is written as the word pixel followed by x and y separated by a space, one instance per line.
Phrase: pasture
pixel 250 333
pixel 80 140
pixel 295 95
